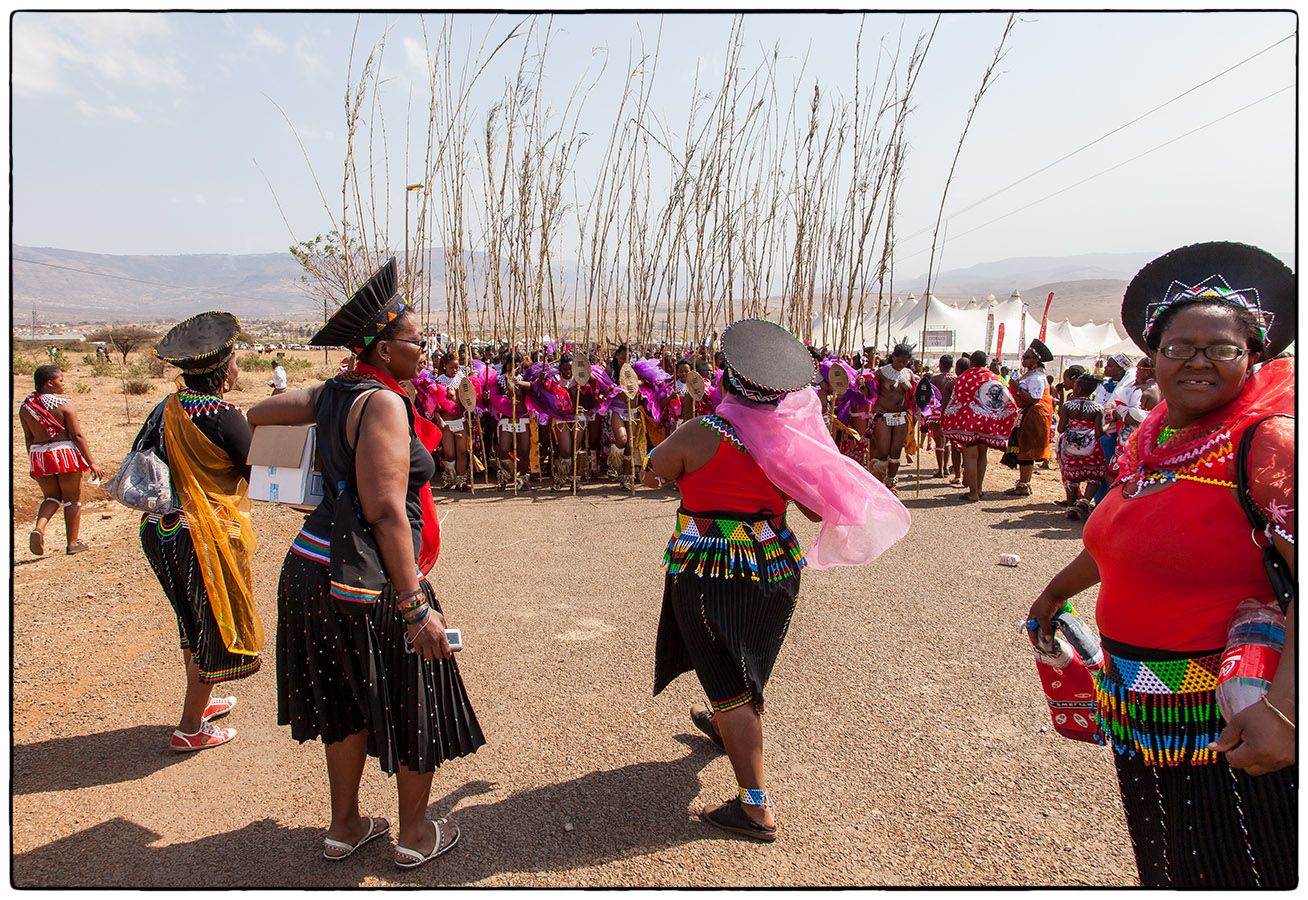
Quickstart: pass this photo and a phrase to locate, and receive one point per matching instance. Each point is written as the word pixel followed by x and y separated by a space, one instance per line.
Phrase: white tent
pixel 826 331
pixel 953 330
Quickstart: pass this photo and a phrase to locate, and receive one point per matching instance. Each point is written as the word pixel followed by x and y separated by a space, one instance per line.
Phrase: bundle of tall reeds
pixel 776 200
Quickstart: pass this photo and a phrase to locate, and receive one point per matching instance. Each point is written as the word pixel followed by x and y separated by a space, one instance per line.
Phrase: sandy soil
pixel 907 737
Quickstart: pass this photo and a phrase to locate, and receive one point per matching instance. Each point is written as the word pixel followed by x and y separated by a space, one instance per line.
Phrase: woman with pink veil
pixel 733 564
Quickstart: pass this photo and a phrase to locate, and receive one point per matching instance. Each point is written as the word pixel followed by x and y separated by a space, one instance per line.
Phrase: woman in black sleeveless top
pixel 370 676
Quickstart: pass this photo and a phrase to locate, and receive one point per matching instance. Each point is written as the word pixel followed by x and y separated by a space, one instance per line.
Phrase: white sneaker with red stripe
pixel 208 736
pixel 218 707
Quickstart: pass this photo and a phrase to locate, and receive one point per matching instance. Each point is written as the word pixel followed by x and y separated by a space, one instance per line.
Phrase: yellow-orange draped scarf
pixel 215 497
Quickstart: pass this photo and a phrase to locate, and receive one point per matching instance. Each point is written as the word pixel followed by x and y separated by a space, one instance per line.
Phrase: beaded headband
pixel 385 316
pixel 751 391
pixel 1214 287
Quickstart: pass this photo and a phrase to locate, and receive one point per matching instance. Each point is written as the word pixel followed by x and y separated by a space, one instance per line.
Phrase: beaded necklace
pixel 1211 455
pixel 195 403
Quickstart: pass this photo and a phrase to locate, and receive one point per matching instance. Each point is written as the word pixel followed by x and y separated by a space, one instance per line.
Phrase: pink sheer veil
pixel 861 518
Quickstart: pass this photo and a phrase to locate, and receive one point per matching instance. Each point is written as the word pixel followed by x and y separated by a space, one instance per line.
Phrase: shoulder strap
pixel 151 434
pixel 358 428
pixel 1251 510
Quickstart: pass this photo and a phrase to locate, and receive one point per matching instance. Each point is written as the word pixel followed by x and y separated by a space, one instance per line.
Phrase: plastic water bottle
pixel 1082 638
pixel 1058 657
pixel 1253 652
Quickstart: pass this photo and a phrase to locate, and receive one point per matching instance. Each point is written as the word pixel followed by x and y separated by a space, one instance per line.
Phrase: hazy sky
pixel 153 133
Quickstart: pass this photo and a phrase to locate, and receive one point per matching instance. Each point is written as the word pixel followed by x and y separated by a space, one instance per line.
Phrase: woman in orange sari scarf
pixel 201 550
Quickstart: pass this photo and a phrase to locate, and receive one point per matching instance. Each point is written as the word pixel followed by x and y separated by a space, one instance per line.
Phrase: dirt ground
pixel 906 735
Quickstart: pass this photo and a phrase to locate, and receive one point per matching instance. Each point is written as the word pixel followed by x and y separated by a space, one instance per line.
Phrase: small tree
pixel 326 260
pixel 124 338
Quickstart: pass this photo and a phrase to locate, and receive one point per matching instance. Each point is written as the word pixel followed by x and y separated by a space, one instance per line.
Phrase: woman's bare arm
pixel 78 437
pixel 292 408
pixel 382 473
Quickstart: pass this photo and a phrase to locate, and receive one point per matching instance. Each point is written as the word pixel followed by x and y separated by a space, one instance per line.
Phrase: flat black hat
pixel 1218 270
pixel 201 343
pixel 1040 349
pixel 374 306
pixel 767 360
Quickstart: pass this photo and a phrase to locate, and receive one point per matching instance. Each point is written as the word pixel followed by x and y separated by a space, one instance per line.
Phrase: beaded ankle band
pixel 754 797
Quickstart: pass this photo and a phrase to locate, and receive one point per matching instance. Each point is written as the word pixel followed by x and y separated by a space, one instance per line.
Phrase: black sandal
pixel 730 817
pixel 703 720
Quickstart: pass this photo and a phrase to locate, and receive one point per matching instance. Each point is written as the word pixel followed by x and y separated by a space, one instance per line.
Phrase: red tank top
pixel 731 481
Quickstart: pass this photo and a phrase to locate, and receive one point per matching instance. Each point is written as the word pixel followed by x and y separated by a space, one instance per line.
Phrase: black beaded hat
pixel 373 306
pixel 1218 270
pixel 1041 350
pixel 765 361
pixel 201 343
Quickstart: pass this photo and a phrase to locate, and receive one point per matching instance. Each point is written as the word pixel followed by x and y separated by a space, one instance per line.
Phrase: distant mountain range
pixel 70 287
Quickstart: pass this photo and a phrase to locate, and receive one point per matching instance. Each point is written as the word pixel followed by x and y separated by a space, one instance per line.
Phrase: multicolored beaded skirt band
pixel 733 545
pixel 1158 705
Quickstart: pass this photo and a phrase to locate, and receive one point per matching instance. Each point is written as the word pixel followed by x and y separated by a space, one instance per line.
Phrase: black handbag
pixel 1277 572
pixel 1010 455
pixel 357 573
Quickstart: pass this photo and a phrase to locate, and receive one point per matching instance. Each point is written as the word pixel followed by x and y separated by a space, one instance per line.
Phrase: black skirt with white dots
pixel 342 672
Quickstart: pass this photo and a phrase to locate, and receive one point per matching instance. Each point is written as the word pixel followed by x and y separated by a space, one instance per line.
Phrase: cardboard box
pixel 282 465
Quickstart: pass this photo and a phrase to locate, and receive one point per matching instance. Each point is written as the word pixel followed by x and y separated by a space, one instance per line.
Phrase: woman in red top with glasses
pixel 1208 803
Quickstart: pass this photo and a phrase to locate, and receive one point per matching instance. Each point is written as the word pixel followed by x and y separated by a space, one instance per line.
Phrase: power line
pixel 134 280
pixel 1117 166
pixel 1109 134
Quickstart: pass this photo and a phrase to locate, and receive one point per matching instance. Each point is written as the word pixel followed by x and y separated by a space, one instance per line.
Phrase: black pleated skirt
pixel 1194 821
pixel 1211 826
pixel 168 548
pixel 729 630
pixel 341 673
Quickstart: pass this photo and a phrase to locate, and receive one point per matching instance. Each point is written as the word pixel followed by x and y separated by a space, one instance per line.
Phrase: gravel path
pixel 906 731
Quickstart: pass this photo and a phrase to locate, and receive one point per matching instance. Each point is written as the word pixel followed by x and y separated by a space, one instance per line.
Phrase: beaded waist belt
pixel 717 545
pixel 1165 710
pixel 167 524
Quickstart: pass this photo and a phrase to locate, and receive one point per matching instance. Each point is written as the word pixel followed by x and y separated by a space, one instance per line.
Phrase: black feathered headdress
pixel 374 306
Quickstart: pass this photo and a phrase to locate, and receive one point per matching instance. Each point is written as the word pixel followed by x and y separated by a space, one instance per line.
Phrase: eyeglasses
pixel 421 345
pixel 1215 352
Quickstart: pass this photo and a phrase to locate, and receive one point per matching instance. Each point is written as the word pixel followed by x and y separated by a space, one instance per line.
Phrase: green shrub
pixel 263 362
pixel 25 364
pixel 82 388
pixel 102 368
